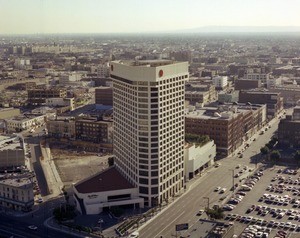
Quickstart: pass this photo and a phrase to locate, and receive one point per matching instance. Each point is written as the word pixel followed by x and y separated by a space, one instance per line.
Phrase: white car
pixel 32 227
pixel 223 190
pixel 217 189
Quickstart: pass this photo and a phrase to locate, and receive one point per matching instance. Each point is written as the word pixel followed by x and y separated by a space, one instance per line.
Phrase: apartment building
pixel 94 129
pixel 61 128
pixel 16 193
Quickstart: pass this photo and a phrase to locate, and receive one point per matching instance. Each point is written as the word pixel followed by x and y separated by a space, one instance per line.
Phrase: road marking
pixel 12 233
pixel 171 224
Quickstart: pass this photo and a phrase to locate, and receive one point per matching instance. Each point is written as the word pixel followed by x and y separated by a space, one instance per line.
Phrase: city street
pixel 184 209
pixel 18 227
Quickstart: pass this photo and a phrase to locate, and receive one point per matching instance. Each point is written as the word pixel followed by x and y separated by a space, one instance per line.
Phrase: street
pixel 184 209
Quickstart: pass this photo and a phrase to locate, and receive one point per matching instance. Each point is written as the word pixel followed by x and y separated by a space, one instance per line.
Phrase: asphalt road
pixel 184 209
pixel 18 228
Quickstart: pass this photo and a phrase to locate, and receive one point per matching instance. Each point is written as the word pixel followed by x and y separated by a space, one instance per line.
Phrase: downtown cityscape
pixel 179 131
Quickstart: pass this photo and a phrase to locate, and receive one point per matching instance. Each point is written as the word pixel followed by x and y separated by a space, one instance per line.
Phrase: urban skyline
pixel 56 17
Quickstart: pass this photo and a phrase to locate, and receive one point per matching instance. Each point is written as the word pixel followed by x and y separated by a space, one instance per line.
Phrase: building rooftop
pixel 224 112
pixel 19 182
pixel 147 63
pixel 108 180
pixel 10 143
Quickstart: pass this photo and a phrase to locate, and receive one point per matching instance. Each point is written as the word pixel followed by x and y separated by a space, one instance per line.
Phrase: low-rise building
pixel 16 193
pixel 61 128
pixel 263 77
pixel 228 97
pixel 289 130
pixel 24 122
pixel 245 84
pixel 273 100
pixel 105 189
pixel 6 113
pixel 11 152
pixel 228 125
pixel 94 129
pixel 61 102
pixel 39 95
pixel 220 82
pixel 198 157
pixel 200 92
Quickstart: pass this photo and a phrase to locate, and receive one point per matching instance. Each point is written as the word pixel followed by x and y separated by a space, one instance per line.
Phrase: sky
pixel 141 16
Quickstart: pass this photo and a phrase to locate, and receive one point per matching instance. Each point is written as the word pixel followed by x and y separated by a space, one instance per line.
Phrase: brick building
pixel 289 130
pixel 94 130
pixel 228 125
pixel 245 84
pixel 273 100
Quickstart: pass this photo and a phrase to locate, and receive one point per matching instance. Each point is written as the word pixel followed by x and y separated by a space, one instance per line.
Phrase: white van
pixel 135 234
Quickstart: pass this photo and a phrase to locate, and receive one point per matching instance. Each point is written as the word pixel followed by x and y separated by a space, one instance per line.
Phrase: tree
pixel 264 150
pixel 216 212
pixel 275 155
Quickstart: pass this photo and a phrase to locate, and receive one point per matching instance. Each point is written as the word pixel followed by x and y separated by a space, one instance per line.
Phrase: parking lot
pixel 268 203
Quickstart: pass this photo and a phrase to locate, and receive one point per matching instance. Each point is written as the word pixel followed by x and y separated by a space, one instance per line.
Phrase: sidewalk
pixel 53 179
pixel 51 224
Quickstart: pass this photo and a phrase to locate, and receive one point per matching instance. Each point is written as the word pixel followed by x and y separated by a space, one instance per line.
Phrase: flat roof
pixel 108 180
pixel 16 182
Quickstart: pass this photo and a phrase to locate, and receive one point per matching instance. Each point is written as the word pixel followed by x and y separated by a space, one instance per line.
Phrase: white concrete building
pixel 197 158
pixel 24 122
pixel 16 193
pixel 103 70
pixel 62 102
pixel 149 126
pixel 258 76
pixel 106 189
pixel 220 82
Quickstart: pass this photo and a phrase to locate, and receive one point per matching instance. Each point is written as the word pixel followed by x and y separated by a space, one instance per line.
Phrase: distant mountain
pixel 216 29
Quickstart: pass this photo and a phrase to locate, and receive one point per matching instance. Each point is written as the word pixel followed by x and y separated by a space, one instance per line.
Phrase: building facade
pixel 273 100
pixel 149 126
pixel 104 96
pixel 94 130
pixel 61 128
pixel 289 130
pixel 197 158
pixel 39 95
pixel 16 193
pixel 220 82
pixel 229 125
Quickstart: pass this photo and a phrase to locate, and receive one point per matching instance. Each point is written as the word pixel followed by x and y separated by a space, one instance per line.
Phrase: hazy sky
pixel 105 16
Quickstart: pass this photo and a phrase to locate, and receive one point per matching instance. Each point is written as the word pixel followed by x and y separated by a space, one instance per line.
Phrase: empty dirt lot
pixel 73 167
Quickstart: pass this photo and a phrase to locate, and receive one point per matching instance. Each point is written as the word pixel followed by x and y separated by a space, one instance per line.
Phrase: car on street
pixel 223 190
pixel 32 227
pixel 217 189
pixel 200 212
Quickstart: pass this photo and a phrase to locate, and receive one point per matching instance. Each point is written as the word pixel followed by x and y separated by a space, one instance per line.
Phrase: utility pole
pixel 233 187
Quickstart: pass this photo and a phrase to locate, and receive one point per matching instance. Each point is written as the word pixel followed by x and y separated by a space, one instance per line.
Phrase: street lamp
pixel 233 187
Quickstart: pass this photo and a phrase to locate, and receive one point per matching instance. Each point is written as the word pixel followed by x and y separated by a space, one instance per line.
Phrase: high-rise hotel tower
pixel 149 125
